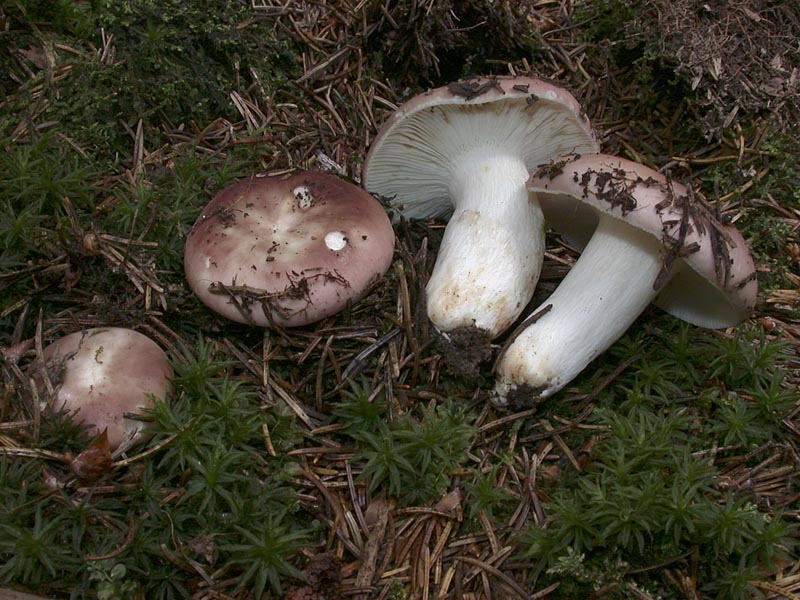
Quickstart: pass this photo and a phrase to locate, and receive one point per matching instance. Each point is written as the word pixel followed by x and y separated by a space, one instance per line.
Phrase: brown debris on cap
pixel 719 290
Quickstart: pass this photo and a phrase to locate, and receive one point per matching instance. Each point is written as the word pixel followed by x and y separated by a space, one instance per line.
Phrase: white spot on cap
pixel 335 240
pixel 304 197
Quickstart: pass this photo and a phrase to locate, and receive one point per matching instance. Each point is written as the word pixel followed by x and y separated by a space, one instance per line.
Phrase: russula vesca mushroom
pixel 104 377
pixel 468 149
pixel 287 250
pixel 644 238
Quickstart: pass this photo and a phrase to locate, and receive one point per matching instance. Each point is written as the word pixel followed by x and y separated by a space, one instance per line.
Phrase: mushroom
pixel 105 377
pixel 468 149
pixel 287 250
pixel 644 238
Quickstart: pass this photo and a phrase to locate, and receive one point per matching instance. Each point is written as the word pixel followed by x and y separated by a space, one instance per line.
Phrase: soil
pixel 464 350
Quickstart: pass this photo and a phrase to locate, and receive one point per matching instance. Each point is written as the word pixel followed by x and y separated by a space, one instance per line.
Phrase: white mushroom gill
pixel 602 295
pixel 415 164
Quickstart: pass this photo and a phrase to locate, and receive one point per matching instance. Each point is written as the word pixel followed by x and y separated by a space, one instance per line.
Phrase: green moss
pixel 648 498
pixel 173 63
pixel 769 232
pixel 64 16
pixel 605 20
pixel 184 58
pixel 412 458
pixel 649 494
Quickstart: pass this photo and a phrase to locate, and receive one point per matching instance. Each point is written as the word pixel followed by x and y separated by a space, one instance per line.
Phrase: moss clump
pixel 172 63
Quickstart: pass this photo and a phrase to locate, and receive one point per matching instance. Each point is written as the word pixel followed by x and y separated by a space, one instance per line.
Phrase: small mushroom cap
pixel 101 375
pixel 411 160
pixel 287 250
pixel 718 290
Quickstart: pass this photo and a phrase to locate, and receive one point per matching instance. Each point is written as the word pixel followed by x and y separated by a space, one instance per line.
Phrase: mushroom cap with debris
pixel 287 250
pixel 718 290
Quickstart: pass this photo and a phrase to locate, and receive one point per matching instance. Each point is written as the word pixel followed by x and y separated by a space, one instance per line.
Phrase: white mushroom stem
pixel 491 253
pixel 602 295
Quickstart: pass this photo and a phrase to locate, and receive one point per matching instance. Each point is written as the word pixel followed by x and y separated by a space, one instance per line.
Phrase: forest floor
pixel 343 459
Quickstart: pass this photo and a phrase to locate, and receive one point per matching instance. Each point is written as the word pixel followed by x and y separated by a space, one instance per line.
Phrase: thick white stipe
pixel 602 295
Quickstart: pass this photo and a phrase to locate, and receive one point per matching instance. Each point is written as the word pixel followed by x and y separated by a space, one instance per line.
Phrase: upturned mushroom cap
pixel 718 290
pixel 104 377
pixel 411 160
pixel 287 250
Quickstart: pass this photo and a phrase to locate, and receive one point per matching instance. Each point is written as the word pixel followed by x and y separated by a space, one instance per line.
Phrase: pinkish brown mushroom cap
pixel 104 377
pixel 718 290
pixel 287 250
